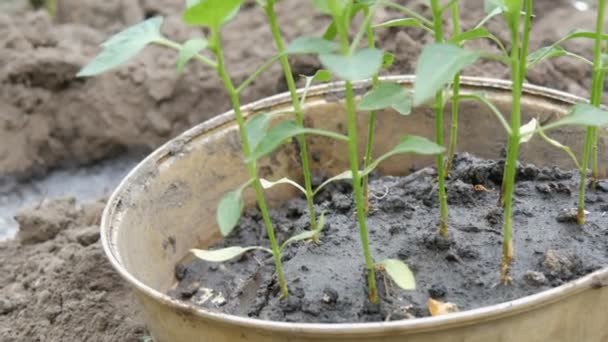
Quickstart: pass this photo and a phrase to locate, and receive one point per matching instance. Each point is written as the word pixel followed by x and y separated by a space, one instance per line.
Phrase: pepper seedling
pixel 212 14
pixel 518 60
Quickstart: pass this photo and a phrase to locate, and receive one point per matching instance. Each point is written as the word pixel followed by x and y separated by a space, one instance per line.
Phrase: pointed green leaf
pixel 321 222
pixel 417 144
pixel 560 146
pixel 344 175
pixel 321 75
pixel 494 11
pixel 400 273
pixel 409 144
pixel 256 128
pixel 188 51
pixel 491 6
pixel 361 65
pixel 385 95
pixel 403 107
pixel 387 60
pixel 526 132
pixel 211 13
pixel 283 131
pixel 123 46
pixel 437 66
pixel 545 53
pixel 333 7
pixel 229 211
pixel 224 254
pixel 306 235
pixel 403 22
pixel 312 45
pixel 583 114
pixel 476 33
pixel 266 184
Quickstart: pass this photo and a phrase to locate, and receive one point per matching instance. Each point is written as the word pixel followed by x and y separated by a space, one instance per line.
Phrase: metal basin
pixel 167 204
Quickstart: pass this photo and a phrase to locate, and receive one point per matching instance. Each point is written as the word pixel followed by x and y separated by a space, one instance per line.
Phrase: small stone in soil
pixel 190 291
pixel 180 271
pixel 330 296
pixel 437 291
pixel 560 265
pixel 602 185
pixel 535 278
pixel 543 188
pixel 567 215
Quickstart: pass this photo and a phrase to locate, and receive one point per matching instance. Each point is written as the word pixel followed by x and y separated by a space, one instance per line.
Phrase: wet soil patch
pixel 327 280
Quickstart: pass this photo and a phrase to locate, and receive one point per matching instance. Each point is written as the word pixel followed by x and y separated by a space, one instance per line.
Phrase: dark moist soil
pixel 327 281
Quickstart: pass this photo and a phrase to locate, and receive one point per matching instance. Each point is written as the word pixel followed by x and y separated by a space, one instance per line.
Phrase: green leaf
pixel 321 75
pixel 476 33
pixel 545 53
pixel 491 6
pixel 256 128
pixel 188 51
pixel 417 144
pixel 409 144
pixel 387 60
pixel 325 6
pixel 400 273
pixel 229 211
pixel 211 13
pixel 306 235
pixel 313 45
pixel 437 66
pixel 123 46
pixel 583 114
pixel 385 95
pixel 266 184
pixel 526 132
pixel 344 175
pixel 490 14
pixel 321 222
pixel 560 146
pixel 283 131
pixel 224 254
pixel 361 65
pixel 403 22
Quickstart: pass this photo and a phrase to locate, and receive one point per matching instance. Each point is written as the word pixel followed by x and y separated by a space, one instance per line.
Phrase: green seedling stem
pixel 297 106
pixel 439 107
pixel 353 155
pixel 518 71
pixel 371 42
pixel 597 86
pixel 455 96
pixel 251 166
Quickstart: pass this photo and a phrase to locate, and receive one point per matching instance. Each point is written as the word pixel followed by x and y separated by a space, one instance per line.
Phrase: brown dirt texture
pixel 56 284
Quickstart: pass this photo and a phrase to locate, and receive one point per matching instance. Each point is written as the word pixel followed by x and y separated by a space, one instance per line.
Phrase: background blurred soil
pixel 56 284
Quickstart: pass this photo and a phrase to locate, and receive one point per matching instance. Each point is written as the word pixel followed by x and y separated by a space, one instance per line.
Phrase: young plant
pixel 597 89
pixel 382 95
pixel 268 6
pixel 212 14
pixel 519 61
pixel 456 30
pixel 353 64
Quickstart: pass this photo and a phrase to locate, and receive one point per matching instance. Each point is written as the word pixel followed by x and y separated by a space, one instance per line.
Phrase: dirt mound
pixel 61 287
